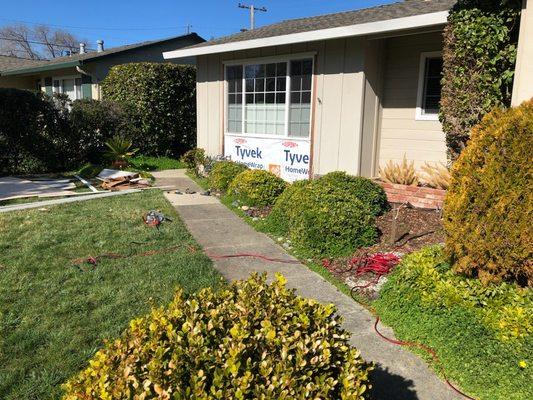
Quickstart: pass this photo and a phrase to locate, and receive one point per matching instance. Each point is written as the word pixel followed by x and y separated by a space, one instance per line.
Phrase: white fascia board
pixel 390 25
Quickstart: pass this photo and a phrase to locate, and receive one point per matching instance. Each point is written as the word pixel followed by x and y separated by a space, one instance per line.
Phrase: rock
pixel 280 239
pixel 255 219
pixel 235 204
pixel 245 208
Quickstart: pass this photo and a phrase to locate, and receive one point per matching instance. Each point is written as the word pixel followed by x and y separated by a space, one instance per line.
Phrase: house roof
pixel 79 59
pixel 10 62
pixel 412 12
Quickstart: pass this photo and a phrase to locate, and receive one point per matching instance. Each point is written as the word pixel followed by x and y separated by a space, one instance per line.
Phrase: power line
pixel 41 43
pixel 252 9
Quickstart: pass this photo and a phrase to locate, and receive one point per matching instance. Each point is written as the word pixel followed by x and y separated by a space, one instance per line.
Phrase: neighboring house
pixel 79 75
pixel 346 91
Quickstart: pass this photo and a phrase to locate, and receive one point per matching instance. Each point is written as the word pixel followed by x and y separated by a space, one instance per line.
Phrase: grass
pixel 147 163
pixel 54 315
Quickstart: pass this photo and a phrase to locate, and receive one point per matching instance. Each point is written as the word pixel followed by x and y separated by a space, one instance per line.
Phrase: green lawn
pixel 147 163
pixel 54 316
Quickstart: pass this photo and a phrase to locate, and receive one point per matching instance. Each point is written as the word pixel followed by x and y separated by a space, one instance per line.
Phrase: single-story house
pixel 79 75
pixel 346 91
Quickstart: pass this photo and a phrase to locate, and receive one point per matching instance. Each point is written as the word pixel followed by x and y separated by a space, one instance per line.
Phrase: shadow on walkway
pixel 389 386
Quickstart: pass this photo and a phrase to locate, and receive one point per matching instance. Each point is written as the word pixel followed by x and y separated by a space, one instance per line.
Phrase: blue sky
pixel 128 21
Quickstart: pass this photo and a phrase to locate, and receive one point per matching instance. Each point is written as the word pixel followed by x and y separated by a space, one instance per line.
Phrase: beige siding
pixel 523 83
pixel 338 94
pixel 400 132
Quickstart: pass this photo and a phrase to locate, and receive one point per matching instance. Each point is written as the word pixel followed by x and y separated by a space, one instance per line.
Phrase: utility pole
pixel 252 9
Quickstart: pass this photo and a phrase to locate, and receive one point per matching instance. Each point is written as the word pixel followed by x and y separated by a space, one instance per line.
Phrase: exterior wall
pixel 338 97
pixel 400 132
pixel 523 83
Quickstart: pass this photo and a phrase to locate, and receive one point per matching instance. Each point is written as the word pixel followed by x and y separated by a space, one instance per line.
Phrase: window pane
pixel 281 84
pixel 270 84
pixel 249 99
pixel 270 98
pixel 249 85
pixel 260 98
pixel 271 70
pixel 281 69
pixel 432 86
pixel 280 98
pixel 306 97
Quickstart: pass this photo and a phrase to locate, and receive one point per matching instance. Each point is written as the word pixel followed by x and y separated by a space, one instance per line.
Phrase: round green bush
pixel 329 221
pixel 223 173
pixel 246 341
pixel 257 187
pixel 489 206
pixel 193 158
pixel 364 189
pixel 278 220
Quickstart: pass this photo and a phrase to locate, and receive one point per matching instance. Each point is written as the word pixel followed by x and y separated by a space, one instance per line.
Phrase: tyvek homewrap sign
pixel 286 158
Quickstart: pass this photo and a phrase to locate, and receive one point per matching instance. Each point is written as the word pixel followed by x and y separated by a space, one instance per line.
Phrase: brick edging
pixel 417 196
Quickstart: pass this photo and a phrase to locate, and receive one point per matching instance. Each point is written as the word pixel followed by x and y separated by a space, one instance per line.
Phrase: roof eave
pixel 41 68
pixel 369 28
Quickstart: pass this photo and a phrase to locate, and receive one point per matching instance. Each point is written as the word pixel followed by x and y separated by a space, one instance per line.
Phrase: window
pixel 429 86
pixel 71 86
pixel 269 98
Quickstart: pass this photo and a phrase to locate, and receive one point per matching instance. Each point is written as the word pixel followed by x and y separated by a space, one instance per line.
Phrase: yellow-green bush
pixel 489 206
pixel 256 187
pixel 223 173
pixel 248 340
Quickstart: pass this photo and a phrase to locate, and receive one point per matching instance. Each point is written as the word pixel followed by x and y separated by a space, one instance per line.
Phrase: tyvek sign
pixel 286 158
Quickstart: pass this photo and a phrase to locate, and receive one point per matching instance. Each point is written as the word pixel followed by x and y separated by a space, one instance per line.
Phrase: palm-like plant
pixel 119 151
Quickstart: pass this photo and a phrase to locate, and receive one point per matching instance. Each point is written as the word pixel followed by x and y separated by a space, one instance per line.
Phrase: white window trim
pixel 264 60
pixel 61 78
pixel 420 116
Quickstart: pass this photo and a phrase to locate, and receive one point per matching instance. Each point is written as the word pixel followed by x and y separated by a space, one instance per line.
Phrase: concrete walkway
pixel 399 375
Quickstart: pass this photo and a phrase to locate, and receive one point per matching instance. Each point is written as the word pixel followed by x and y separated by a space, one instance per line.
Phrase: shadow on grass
pixel 389 386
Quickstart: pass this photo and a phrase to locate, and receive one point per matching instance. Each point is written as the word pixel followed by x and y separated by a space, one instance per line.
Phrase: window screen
pixel 432 86
pixel 300 104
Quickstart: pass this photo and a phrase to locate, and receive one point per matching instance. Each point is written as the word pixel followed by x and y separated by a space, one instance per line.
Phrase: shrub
pixel 364 189
pixel 119 151
pixel 249 340
pixel 93 123
pixel 256 187
pixel 329 221
pixel 34 133
pixel 480 42
pixel 193 159
pixel 403 174
pixel 160 100
pixel 278 220
pixel 489 206
pixel 89 170
pixel 469 325
pixel 223 173
pixel 436 175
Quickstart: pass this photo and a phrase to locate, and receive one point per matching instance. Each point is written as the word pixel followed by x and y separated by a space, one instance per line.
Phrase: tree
pixel 38 42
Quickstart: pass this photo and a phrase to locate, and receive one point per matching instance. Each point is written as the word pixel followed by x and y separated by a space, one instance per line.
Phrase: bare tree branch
pixel 16 41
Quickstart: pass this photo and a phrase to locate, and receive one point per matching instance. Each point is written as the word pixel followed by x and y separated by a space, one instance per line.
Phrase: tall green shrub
pixel 488 210
pixel 250 340
pixel 93 123
pixel 161 102
pixel 34 133
pixel 479 55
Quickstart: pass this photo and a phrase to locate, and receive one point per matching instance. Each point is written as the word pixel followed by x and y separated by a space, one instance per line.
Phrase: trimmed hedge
pixel 160 100
pixel 278 221
pixel 364 189
pixel 223 173
pixel 249 340
pixel 481 334
pixel 328 221
pixel 480 42
pixel 256 187
pixel 489 206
